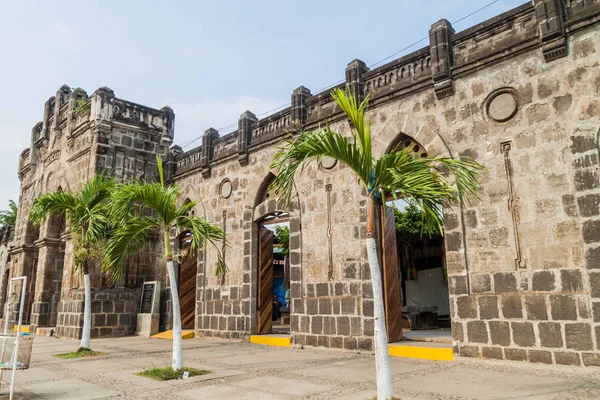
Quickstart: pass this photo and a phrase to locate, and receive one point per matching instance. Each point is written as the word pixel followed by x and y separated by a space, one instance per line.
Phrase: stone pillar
pixel 42 299
pixel 550 16
pixel 299 111
pixel 60 99
pixel 171 165
pixel 354 81
pixel 245 125
pixel 442 58
pixel 46 122
pixel 207 150
pixel 168 131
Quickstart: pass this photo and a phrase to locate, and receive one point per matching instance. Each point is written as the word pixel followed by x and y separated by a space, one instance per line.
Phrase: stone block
pixel 481 283
pixel 492 352
pixel 312 306
pixel 316 325
pixel 512 306
pixel 569 205
pixel 325 306
pixel 499 237
pixel 536 308
pixel 323 341
pixel 543 281
pixel 500 333
pixel 468 351
pixel 572 280
pixel 540 356
pixel 515 354
pixel 565 358
pixel 523 334
pixel 592 257
pixel 488 307
pixel 586 179
pixel 466 307
pixel 591 359
pixel 350 343
pixel 458 333
pixel 477 332
pixel 457 284
pixel 367 308
pixel 550 334
pixel 589 205
pixel 336 342
pixel 453 241
pixel 505 282
pixel 365 344
pixel 343 326
pixel 578 336
pixel 563 308
pixel 312 340
pixel 348 305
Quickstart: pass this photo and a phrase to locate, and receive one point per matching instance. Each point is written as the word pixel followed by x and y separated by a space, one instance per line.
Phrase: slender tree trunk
pixel 385 389
pixel 87 307
pixel 177 361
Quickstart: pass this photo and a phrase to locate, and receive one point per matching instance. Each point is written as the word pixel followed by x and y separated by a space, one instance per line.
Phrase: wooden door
pixel 187 284
pixel 391 282
pixel 264 300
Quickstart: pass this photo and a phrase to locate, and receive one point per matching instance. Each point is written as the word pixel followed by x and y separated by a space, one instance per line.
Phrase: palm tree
pixel 155 208
pixel 9 217
pixel 86 213
pixel 423 181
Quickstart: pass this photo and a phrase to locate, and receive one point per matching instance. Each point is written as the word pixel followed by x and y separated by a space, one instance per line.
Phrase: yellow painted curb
pixel 425 353
pixel 24 328
pixel 270 340
pixel 169 335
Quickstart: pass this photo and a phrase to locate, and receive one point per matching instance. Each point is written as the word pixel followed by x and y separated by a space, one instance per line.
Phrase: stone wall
pixel 514 93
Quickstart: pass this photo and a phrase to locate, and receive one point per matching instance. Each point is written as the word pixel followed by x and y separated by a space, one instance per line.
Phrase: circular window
pixel 502 105
pixel 328 162
pixel 225 189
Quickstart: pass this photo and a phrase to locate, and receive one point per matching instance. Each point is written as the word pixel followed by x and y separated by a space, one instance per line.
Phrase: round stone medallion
pixel 502 107
pixel 328 162
pixel 226 188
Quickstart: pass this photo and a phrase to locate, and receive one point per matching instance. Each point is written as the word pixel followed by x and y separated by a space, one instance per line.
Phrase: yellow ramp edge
pixel 169 335
pixel 24 328
pixel 424 353
pixel 277 341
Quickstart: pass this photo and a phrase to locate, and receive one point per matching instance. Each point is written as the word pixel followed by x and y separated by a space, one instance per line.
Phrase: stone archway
pixel 264 206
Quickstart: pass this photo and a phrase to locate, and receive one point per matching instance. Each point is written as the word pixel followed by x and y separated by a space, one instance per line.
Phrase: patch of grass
pixel 81 352
pixel 168 373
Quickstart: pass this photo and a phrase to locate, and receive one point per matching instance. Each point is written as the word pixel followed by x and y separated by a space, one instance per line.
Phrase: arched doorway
pixel 276 273
pixel 188 270
pixel 421 266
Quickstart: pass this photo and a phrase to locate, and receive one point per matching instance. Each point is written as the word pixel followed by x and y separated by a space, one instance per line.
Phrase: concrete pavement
pixel 250 371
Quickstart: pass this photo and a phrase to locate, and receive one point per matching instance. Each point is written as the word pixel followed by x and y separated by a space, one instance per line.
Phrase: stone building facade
pixel 520 93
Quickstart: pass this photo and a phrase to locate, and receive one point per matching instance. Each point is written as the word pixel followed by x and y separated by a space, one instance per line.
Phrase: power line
pixel 343 80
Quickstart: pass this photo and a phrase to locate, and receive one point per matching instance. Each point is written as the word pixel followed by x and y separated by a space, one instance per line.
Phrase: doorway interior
pixel 423 277
pixel 272 297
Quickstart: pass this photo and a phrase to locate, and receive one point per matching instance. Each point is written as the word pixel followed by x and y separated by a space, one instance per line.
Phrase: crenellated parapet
pixel 541 24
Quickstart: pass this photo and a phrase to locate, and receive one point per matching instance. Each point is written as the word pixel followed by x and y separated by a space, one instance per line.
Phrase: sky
pixel 209 60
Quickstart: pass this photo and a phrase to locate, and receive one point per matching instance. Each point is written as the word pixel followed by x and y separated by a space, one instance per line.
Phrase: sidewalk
pixel 249 371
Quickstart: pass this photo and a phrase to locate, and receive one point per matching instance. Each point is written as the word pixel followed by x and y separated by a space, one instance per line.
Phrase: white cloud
pixel 191 120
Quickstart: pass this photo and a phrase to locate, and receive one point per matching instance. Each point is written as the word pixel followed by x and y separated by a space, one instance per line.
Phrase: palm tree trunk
pixel 87 307
pixel 177 361
pixel 385 390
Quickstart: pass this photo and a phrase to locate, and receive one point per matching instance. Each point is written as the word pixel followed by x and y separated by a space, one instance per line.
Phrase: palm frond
pixel 50 204
pixel 203 232
pixel 296 154
pixel 127 238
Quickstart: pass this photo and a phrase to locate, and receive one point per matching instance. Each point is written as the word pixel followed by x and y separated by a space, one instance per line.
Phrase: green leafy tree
pixel 411 223
pixel 9 217
pixel 86 213
pixel 143 207
pixel 425 181
pixel 282 233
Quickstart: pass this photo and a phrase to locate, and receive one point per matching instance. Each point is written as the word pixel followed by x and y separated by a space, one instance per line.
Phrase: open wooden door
pixel 264 300
pixel 187 284
pixel 391 281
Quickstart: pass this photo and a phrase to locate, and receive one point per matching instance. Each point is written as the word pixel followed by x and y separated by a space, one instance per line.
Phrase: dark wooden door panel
pixel 264 302
pixel 187 285
pixel 391 281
